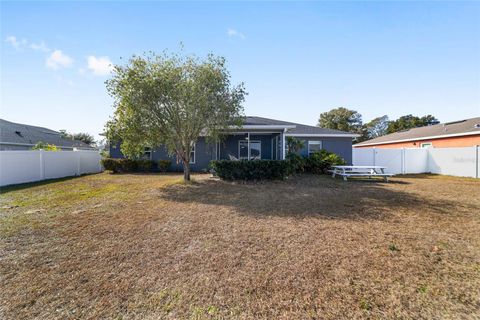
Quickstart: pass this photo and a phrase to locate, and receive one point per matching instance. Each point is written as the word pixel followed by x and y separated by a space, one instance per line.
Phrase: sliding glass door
pixel 255 149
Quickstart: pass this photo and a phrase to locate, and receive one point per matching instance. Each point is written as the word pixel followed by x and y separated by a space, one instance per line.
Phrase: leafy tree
pixel 63 133
pixel 85 137
pixel 81 136
pixel 45 146
pixel 294 145
pixel 375 128
pixel 409 121
pixel 171 100
pixel 341 119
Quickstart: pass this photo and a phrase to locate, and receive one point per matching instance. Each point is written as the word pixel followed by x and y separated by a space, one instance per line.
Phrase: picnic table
pixel 360 171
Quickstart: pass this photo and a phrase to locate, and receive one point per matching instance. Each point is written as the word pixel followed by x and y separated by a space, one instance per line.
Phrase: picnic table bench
pixel 360 171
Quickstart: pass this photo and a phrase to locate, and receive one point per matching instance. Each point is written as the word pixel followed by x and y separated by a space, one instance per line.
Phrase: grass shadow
pixel 22 186
pixel 308 196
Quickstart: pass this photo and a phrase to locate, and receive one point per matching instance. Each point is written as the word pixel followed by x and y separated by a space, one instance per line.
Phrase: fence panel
pixel 90 162
pixel 453 161
pixel 60 164
pixel 463 162
pixel 19 167
pixel 35 165
pixel 363 156
pixel 390 158
pixel 416 160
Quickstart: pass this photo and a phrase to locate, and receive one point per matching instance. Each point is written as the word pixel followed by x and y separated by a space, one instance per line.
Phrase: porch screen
pixel 255 150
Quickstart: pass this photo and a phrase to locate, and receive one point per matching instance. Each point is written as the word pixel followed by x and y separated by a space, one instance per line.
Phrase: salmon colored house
pixel 463 133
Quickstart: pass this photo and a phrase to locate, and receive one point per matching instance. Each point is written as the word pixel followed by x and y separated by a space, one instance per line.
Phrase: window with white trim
pixel 314 146
pixel 426 145
pixel 192 153
pixel 147 153
pixel 255 149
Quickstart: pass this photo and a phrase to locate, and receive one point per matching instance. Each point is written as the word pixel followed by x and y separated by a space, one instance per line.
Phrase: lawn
pixel 149 247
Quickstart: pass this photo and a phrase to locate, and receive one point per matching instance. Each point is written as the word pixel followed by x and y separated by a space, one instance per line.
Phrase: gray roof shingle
pixel 467 126
pixel 299 129
pixel 17 133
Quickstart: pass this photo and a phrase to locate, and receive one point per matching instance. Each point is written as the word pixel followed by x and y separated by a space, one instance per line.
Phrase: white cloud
pixel 18 44
pixel 39 46
pixel 99 66
pixel 232 33
pixel 58 59
pixel 15 42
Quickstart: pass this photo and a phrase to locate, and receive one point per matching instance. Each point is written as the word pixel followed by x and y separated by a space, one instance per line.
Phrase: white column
pixel 283 144
pixel 248 145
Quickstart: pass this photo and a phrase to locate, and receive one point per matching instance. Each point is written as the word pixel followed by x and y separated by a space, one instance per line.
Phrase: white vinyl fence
pixel 36 165
pixel 462 162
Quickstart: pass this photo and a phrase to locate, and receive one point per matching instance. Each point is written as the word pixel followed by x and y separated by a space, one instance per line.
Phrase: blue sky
pixel 297 59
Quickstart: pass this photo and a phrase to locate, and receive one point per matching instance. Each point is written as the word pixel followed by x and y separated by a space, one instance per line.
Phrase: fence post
pixel 100 167
pixel 42 164
pixel 476 162
pixel 77 153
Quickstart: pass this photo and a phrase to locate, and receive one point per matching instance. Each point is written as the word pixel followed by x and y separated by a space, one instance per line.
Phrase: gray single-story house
pixel 257 138
pixel 18 136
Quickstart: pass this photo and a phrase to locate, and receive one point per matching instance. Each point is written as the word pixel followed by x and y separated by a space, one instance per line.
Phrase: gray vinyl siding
pixel 204 152
pixel 340 146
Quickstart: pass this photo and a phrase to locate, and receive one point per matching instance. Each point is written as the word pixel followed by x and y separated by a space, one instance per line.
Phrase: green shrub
pixel 110 164
pixel 45 146
pixel 127 165
pixel 145 165
pixel 164 165
pixel 319 162
pixel 297 163
pixel 251 170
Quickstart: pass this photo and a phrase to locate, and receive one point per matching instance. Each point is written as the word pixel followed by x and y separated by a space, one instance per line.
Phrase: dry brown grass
pixel 148 247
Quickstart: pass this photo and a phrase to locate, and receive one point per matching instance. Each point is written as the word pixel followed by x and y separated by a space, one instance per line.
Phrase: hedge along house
pixel 257 138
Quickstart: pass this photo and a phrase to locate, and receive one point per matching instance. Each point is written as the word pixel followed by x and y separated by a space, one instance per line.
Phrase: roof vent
pixel 19 133
pixel 476 125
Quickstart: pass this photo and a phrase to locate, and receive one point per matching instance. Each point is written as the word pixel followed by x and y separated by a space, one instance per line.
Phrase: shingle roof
pixel 299 128
pixel 467 126
pixel 17 133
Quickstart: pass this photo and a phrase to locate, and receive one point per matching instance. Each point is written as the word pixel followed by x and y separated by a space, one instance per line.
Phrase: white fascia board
pixel 32 145
pixel 421 138
pixel 260 127
pixel 251 132
pixel 328 135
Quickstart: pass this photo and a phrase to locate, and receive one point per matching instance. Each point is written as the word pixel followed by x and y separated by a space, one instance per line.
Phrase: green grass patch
pixel 54 196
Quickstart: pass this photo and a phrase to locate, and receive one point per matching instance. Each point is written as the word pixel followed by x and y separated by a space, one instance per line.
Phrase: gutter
pixel 419 139
pixel 332 135
pixel 263 127
pixel 32 145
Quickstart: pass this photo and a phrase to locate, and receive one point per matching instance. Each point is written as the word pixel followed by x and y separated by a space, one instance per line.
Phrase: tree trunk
pixel 186 171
